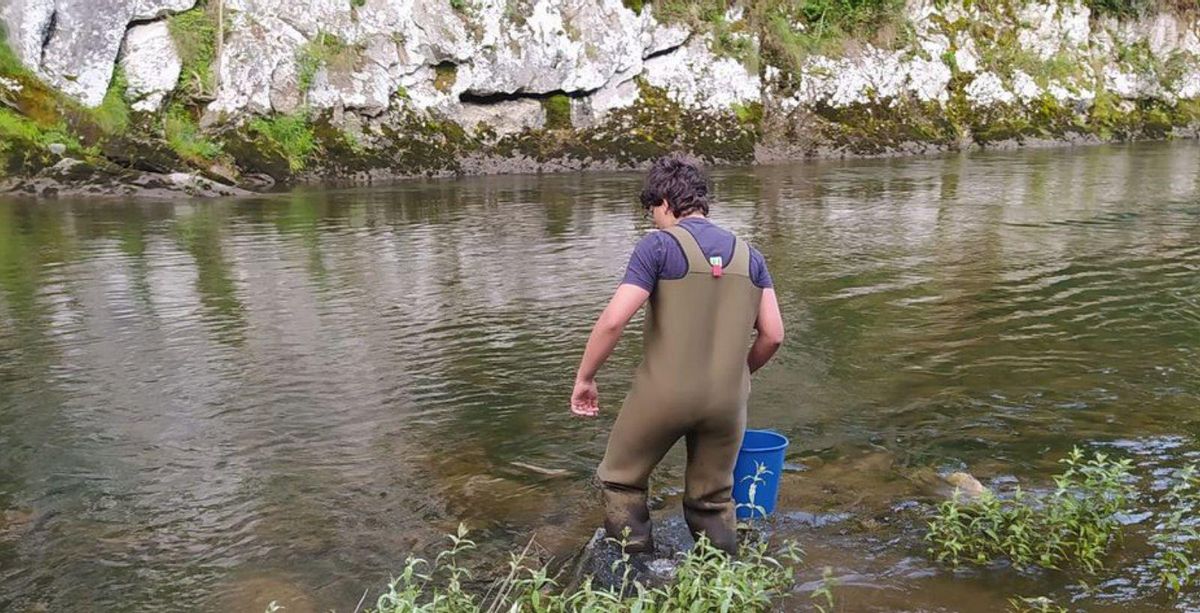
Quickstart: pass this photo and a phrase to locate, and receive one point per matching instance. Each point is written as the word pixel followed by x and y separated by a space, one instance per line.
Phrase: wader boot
pixel 693 383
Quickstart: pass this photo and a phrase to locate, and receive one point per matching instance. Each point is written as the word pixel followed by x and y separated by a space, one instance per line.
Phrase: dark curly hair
pixel 680 181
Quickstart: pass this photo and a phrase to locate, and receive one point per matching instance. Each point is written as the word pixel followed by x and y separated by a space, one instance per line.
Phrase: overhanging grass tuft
pixel 291 135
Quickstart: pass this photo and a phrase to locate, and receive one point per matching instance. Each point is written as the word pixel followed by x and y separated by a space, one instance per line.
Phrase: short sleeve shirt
pixel 659 256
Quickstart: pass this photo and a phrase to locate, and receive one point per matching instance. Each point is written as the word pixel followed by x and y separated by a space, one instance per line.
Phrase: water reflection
pixel 201 399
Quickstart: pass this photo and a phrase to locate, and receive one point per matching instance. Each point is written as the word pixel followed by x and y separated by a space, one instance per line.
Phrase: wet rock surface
pixel 70 177
pixel 601 558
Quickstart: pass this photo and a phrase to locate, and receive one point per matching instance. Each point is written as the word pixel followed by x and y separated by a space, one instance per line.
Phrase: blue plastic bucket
pixel 756 475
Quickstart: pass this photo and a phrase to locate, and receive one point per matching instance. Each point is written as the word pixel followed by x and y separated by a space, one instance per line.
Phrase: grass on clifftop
pixel 789 30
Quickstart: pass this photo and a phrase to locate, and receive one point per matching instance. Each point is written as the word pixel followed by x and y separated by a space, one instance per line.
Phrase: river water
pixel 210 405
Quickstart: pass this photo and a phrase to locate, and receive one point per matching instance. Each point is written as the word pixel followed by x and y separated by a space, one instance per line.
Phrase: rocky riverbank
pixel 255 93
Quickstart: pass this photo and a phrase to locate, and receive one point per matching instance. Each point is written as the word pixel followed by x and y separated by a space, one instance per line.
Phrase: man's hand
pixel 585 399
pixel 585 402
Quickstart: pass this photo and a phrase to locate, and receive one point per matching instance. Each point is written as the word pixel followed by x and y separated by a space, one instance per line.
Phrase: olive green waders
pixel 693 383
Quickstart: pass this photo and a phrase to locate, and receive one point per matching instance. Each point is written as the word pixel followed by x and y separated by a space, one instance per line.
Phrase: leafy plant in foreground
pixel 824 592
pixel 760 471
pixel 1178 537
pixel 1073 525
pixel 705 580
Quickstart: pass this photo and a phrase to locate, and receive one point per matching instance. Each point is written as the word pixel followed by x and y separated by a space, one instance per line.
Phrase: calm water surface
pixel 207 406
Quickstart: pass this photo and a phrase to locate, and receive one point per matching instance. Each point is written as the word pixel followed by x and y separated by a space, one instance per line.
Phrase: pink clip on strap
pixel 717 266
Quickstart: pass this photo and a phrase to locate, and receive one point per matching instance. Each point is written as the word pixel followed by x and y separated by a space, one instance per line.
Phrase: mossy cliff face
pixel 258 92
pixel 999 73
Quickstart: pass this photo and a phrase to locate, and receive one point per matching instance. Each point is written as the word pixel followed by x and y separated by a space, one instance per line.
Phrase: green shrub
pixel 291 135
pixel 195 35
pixel 822 24
pixel 1072 526
pixel 845 16
pixel 185 139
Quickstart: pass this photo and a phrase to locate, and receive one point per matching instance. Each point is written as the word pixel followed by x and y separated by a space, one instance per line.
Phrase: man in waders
pixel 708 290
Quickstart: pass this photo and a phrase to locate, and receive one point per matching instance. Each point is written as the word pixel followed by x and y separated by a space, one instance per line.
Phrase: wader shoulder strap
pixel 739 264
pixel 697 262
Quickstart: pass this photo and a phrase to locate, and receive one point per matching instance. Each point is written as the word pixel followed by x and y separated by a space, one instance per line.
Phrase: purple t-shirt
pixel 659 256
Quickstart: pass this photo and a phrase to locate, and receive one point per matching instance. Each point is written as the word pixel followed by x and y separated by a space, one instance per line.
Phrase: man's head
pixel 675 188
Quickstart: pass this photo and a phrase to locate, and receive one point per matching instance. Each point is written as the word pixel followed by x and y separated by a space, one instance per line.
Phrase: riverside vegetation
pixel 705 580
pixel 1072 526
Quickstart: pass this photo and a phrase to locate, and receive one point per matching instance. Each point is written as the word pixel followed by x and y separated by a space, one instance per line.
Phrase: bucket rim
pixel 781 441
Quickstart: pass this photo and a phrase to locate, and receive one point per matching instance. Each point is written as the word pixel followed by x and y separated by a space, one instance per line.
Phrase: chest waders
pixel 693 383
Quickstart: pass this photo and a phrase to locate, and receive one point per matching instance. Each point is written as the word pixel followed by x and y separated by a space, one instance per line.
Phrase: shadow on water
pixel 217 404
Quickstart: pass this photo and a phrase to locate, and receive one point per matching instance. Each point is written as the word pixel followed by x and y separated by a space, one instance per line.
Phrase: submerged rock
pixel 15 523
pixel 967 485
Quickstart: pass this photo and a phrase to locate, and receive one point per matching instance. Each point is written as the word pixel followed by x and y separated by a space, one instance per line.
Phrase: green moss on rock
pixel 10 65
pixel 445 75
pixel 884 126
pixel 558 112
pixel 653 126
pixel 112 116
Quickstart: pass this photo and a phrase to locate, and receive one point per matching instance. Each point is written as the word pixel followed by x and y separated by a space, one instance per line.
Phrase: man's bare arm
pixel 770 331
pixel 605 334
